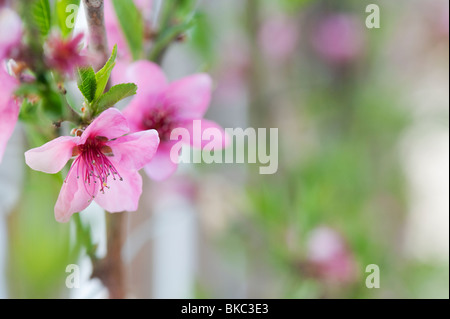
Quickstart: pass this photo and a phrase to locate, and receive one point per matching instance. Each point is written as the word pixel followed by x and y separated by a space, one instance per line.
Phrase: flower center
pixel 93 166
pixel 161 121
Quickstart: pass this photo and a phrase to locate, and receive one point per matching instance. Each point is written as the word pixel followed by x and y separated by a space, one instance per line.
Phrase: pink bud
pixel 64 55
pixel 330 257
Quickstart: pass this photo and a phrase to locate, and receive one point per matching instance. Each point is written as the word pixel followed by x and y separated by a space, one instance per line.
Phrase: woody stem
pixel 110 270
pixel 98 42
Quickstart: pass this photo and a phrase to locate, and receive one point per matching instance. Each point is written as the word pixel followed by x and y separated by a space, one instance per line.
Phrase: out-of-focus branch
pixel 164 40
pixel 110 270
pixel 258 107
pixel 98 42
pixel 169 31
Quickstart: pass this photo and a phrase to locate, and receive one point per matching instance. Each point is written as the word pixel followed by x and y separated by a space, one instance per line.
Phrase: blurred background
pixel 362 176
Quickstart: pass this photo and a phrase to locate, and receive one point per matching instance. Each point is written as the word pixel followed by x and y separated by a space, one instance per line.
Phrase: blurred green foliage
pixel 39 246
pixel 350 180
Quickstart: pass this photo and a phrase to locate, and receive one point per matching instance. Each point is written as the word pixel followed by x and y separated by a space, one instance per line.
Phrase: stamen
pixel 94 165
pixel 161 120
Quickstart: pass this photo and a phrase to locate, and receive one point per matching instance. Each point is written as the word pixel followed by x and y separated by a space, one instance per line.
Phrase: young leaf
pixel 42 16
pixel 132 24
pixel 115 94
pixel 87 83
pixel 103 74
pixel 66 13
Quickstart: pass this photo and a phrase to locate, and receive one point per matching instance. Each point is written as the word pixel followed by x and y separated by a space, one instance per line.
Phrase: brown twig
pixel 110 270
pixel 98 43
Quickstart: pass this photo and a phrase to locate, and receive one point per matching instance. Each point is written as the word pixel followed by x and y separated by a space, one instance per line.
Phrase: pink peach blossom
pixel 339 38
pixel 11 31
pixel 278 37
pixel 9 108
pixel 105 168
pixel 64 55
pixel 164 107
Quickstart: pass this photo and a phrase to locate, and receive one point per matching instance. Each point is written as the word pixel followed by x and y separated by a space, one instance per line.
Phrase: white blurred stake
pixel 175 243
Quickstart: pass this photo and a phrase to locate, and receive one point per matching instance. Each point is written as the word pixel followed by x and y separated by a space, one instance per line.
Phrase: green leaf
pixel 202 36
pixel 291 5
pixel 132 25
pixel 87 83
pixel 115 94
pixel 42 16
pixel 184 8
pixel 103 74
pixel 52 105
pixel 66 14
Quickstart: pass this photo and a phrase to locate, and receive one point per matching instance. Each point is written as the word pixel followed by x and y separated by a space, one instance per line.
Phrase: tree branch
pixel 110 270
pixel 98 43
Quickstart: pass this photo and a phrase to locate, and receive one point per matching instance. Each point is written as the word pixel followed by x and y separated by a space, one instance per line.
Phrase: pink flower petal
pixel 161 167
pixel 8 85
pixel 8 119
pixel 204 132
pixel 122 195
pixel 136 150
pixel 138 108
pixel 191 96
pixel 117 74
pixel 151 83
pixel 74 197
pixel 110 124
pixel 148 76
pixel 51 157
pixel 9 110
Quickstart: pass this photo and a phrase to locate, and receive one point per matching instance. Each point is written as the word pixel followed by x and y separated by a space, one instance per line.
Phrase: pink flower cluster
pixel 62 55
pixel 108 153
pixel 111 150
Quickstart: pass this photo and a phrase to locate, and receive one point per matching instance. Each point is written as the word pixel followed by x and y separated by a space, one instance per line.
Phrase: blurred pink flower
pixel 9 108
pixel 162 106
pixel 339 38
pixel 278 38
pixel 11 31
pixel 64 55
pixel 329 256
pixel 105 168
